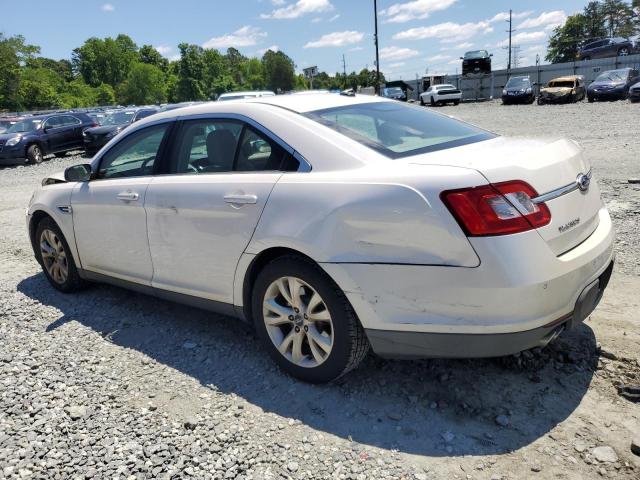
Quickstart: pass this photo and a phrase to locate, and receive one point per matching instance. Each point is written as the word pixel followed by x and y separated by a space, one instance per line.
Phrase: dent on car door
pixel 108 212
pixel 202 216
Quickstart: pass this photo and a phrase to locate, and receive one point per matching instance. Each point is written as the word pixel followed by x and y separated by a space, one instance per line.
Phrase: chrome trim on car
pixel 580 183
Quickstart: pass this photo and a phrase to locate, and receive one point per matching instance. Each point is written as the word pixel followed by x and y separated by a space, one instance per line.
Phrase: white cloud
pixel 464 45
pixel 356 49
pixel 273 48
pixel 299 9
pixel 455 61
pixel 524 37
pixel 397 53
pixel 164 50
pixel 396 64
pixel 334 18
pixel 504 16
pixel 439 58
pixel 278 3
pixel 107 7
pixel 545 19
pixel 536 48
pixel 243 37
pixel 416 9
pixel 336 39
pixel 446 32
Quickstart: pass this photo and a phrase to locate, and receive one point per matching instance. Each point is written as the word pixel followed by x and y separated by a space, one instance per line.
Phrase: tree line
pixel 599 19
pixel 109 71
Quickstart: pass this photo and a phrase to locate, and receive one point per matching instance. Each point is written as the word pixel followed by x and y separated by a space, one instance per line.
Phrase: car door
pixel 69 125
pixel 109 218
pixel 53 132
pixel 203 214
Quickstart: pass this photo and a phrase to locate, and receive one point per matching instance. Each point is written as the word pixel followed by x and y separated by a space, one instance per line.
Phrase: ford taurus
pixel 336 224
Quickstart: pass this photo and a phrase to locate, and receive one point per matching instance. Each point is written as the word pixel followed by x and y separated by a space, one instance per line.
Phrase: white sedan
pixel 440 95
pixel 335 224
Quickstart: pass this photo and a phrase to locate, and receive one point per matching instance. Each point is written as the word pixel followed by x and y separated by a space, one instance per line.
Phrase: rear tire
pixel 623 52
pixel 317 348
pixel 433 102
pixel 55 257
pixel 34 155
pixel 456 102
pixel 422 101
pixel 540 101
pixel 591 99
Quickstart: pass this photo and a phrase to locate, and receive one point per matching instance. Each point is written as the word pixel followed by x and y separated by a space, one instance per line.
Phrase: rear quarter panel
pixel 368 216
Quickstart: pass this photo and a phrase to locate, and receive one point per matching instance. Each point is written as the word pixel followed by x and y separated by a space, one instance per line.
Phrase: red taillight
pixel 497 209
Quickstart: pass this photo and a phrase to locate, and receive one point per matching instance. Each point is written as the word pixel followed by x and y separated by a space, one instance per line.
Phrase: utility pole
pixel 510 32
pixel 375 37
pixel 344 69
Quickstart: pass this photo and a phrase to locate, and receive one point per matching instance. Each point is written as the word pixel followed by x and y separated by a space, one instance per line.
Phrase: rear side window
pixel 223 145
pixel 397 130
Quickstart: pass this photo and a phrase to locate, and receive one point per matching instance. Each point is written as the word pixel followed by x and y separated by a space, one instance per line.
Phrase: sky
pixel 415 36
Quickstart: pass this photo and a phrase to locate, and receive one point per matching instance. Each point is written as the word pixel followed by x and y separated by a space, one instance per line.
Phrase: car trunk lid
pixel 551 167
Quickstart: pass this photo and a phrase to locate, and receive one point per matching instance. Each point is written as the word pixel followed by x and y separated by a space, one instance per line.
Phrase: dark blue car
pixel 31 138
pixel 613 84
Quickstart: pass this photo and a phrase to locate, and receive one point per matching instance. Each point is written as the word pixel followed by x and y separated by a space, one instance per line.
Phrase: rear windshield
pixel 398 130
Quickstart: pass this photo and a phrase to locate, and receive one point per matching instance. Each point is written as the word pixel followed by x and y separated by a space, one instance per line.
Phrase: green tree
pixel 190 84
pixel 105 60
pixel 104 95
pixel 144 85
pixel 14 53
pixel 279 71
pixel 150 55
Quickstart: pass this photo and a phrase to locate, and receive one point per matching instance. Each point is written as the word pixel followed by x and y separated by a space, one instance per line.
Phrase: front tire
pixel 591 99
pixel 55 257
pixel 433 102
pixel 305 321
pixel 34 155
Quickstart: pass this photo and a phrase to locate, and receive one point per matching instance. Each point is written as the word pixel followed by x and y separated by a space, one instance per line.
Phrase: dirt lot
pixel 112 384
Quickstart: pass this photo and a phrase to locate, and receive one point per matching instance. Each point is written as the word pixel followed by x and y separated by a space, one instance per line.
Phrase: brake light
pixel 497 209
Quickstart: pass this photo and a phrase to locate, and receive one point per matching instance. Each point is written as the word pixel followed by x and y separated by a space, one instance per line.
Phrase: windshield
pixel 562 84
pixel 393 91
pixel 25 126
pixel 117 118
pixel 613 76
pixel 518 82
pixel 398 130
pixel 476 54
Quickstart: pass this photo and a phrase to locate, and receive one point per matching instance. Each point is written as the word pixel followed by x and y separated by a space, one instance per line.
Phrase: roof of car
pixel 568 78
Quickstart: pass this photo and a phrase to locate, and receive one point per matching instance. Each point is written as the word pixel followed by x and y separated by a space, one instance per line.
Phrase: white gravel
pixel 113 384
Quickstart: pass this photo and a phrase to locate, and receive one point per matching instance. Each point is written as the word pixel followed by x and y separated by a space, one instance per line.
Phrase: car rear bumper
pixel 520 293
pixel 452 97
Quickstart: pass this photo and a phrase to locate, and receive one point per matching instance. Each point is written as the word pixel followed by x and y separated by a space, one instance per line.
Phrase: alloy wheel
pixel 37 154
pixel 298 322
pixel 623 52
pixel 54 256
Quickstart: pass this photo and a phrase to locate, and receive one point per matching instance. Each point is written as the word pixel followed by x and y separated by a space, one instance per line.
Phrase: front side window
pixel 68 120
pixel 397 130
pixel 53 122
pixel 134 155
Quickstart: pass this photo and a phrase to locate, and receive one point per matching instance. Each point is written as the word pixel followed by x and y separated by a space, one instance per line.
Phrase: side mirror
pixel 461 58
pixel 78 173
pixel 491 54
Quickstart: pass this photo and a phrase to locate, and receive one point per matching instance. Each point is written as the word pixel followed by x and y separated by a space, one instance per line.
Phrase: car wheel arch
pixel 36 217
pixel 258 263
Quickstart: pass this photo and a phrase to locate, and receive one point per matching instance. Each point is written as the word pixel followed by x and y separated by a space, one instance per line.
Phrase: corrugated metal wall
pixel 487 86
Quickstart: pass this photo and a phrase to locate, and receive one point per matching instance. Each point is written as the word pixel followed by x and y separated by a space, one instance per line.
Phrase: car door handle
pixel 128 196
pixel 241 199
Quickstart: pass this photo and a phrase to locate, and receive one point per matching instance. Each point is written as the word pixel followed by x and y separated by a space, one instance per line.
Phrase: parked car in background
pixel 333 223
pixel 605 47
pixel 634 93
pixel 440 95
pixel 32 138
pixel 113 123
pixel 569 89
pixel 476 61
pixel 243 95
pixel 613 84
pixel 7 122
pixel 394 93
pixel 518 90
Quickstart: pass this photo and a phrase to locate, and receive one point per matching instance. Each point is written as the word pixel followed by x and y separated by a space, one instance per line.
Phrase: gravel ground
pixel 112 384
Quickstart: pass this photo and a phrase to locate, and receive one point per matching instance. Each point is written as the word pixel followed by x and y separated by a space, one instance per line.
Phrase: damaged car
pixel 568 89
pixel 334 224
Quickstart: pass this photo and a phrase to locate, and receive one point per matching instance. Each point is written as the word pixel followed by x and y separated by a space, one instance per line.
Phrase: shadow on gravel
pixel 430 407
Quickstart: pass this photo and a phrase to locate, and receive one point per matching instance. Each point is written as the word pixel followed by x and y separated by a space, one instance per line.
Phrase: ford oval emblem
pixel 583 182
